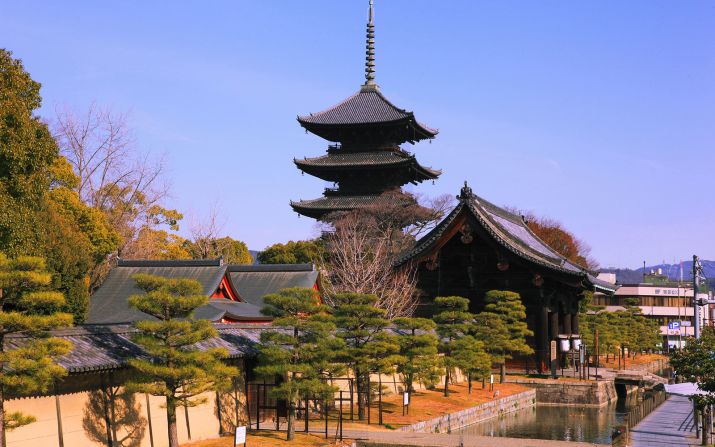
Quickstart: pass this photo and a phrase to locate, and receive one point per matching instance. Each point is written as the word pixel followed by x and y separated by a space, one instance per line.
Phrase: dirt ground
pixel 428 404
pixel 423 405
pixel 630 361
pixel 272 439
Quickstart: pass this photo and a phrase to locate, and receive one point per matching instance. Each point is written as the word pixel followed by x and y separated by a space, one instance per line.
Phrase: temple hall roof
pixel 510 231
pixel 109 304
pixel 101 348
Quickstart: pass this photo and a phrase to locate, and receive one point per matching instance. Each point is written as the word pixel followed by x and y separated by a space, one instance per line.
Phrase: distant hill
pixel 630 276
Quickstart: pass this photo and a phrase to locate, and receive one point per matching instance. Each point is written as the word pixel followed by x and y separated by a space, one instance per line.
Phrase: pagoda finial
pixel 370 49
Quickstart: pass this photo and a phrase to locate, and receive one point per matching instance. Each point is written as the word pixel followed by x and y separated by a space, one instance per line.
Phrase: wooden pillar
pixel 148 418
pixel 60 435
pixel 574 323
pixel 542 338
pixel 567 323
pixel 554 325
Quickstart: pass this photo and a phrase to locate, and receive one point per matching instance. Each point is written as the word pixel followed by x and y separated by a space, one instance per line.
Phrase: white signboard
pixel 673 331
pixel 240 437
pixel 491 378
pixel 406 398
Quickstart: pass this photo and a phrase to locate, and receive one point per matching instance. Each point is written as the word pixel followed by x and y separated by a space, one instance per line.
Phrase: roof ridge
pixel 170 262
pixel 258 268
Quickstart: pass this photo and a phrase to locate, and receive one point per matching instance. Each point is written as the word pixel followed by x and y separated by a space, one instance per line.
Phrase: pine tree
pixel 469 356
pixel 178 369
pixel 419 351
pixel 453 322
pixel 491 330
pixel 368 347
pixel 508 306
pixel 301 349
pixel 27 308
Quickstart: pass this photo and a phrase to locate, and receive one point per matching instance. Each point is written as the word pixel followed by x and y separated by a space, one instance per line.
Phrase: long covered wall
pixel 88 410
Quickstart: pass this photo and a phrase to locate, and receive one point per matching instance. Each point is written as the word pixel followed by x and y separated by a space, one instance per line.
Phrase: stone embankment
pixel 565 392
pixel 478 413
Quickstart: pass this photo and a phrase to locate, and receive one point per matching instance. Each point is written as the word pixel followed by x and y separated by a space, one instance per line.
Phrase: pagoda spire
pixel 370 49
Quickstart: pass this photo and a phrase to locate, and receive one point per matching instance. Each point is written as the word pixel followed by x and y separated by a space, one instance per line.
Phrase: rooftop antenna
pixel 370 49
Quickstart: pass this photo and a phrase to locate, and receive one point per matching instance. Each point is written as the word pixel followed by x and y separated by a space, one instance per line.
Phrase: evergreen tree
pixel 508 306
pixel 293 252
pixel 368 347
pixel 41 213
pixel 453 322
pixel 178 369
pixel 301 349
pixel 419 351
pixel 470 356
pixel 27 308
pixel 490 329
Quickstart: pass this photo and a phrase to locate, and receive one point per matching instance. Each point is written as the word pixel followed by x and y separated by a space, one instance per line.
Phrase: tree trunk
pixel 3 443
pixel 446 382
pixel 502 372
pixel 469 382
pixel 291 418
pixel 362 394
pixel 171 421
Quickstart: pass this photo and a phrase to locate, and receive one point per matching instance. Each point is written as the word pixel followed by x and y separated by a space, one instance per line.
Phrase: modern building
pixel 666 301
pixel 365 159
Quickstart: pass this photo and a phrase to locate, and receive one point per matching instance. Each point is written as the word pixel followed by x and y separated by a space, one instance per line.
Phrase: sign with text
pixel 240 437
pixel 554 354
pixel 673 325
pixel 406 398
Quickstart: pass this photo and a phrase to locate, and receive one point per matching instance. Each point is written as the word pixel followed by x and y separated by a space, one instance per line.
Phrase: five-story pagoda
pixel 366 159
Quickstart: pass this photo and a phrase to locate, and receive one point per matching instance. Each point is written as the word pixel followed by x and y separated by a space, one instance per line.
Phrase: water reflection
pixel 557 423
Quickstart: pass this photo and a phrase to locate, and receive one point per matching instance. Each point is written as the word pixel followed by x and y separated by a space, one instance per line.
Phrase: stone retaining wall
pixel 481 412
pixel 651 367
pixel 569 392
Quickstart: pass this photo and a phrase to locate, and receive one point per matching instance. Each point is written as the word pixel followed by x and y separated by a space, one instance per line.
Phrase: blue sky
pixel 600 114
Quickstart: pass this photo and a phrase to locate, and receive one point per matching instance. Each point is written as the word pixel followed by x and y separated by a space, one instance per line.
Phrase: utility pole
pixel 695 296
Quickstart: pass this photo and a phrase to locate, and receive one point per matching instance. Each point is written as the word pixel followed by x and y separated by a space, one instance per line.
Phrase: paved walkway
pixel 671 424
pixel 454 440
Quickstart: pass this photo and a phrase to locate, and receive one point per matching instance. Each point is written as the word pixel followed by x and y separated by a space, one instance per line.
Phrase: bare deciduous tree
pixel 360 260
pixel 205 232
pixel 114 177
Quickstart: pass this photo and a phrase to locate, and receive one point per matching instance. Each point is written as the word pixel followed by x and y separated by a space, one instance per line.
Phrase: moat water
pixel 579 424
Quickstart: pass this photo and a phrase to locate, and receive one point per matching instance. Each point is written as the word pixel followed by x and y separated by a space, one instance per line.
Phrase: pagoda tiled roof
pixel 373 159
pixel 511 232
pixel 324 205
pixel 368 106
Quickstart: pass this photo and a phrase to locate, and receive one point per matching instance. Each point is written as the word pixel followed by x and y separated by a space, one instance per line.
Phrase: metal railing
pixel 635 415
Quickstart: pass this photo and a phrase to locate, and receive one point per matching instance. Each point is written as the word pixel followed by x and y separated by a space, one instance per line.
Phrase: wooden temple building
pixel 480 247
pixel 365 159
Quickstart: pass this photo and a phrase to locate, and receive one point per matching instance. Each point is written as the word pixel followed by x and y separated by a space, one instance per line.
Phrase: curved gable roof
pixel 511 232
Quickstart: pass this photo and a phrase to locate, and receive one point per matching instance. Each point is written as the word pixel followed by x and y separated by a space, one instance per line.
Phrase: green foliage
pixel 232 251
pixel 491 330
pixel 418 347
pixel 470 356
pixel 301 349
pixel 509 308
pixel 293 252
pixel 179 370
pixel 696 363
pixel 624 328
pixel 29 309
pixel 41 215
pixel 459 349
pixel 368 347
